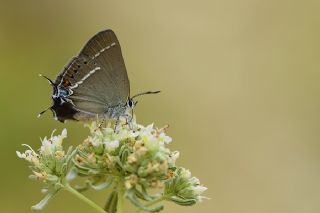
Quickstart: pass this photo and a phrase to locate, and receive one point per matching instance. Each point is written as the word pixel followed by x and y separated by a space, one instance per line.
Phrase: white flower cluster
pixel 49 163
pixel 29 155
pixel 48 147
pixel 140 152
pixel 132 158
pixel 53 144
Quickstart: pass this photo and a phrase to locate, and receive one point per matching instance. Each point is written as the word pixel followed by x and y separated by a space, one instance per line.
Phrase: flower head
pixel 184 189
pixel 49 164
pixel 53 144
pixel 135 151
pixel 132 158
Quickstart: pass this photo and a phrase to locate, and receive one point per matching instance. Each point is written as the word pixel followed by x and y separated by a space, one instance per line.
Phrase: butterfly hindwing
pixel 105 51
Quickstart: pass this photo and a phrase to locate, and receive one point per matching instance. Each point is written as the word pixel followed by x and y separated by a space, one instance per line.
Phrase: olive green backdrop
pixel 240 82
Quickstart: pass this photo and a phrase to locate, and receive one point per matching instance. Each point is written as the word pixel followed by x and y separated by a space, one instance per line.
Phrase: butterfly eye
pixel 130 103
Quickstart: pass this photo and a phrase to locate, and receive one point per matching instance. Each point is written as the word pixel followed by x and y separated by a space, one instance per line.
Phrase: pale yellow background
pixel 240 82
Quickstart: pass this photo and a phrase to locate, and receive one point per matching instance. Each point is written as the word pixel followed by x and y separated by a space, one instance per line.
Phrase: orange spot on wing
pixel 66 82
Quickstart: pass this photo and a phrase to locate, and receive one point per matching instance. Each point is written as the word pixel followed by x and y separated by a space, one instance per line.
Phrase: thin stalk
pixel 83 198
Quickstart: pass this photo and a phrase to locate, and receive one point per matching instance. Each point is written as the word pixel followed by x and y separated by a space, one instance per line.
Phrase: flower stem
pixel 83 198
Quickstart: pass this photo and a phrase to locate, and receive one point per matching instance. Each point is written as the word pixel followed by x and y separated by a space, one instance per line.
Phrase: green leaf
pixel 39 206
pixel 111 205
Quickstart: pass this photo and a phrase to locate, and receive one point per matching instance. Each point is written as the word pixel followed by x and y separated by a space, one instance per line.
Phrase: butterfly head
pixel 54 95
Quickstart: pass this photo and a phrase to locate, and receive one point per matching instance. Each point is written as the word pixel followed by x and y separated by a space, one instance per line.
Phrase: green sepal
pixel 182 201
pixel 123 153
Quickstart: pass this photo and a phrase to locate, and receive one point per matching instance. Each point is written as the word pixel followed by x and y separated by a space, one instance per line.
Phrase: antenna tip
pixel 40 75
pixel 39 115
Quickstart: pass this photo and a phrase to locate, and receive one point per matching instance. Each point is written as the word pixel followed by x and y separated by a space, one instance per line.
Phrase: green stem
pixel 120 199
pixel 83 198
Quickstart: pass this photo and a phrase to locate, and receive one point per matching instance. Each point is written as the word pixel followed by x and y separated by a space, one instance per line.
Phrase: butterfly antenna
pixel 50 81
pixel 145 93
pixel 43 112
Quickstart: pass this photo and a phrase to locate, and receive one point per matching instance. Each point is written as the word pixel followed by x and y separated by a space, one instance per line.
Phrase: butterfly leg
pixel 101 123
pixel 116 124
pixel 103 120
pixel 128 118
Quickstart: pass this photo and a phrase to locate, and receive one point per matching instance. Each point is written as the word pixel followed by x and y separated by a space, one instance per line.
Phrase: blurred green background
pixel 240 82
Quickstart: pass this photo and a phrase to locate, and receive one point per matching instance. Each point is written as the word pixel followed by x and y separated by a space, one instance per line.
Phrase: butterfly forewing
pixel 97 76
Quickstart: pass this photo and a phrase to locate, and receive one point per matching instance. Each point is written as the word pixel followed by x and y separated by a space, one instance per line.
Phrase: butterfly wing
pixel 97 76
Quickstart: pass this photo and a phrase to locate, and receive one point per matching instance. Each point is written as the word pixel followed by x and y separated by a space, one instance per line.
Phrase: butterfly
pixel 94 84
